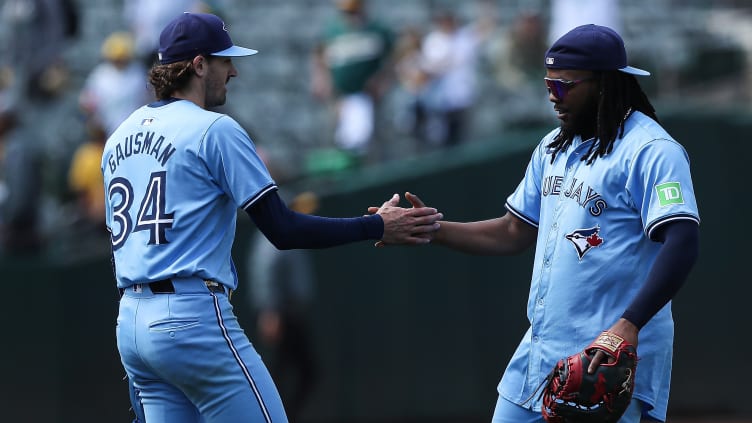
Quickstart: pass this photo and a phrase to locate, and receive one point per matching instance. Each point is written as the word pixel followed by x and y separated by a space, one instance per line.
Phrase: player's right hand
pixel 415 225
pixel 412 198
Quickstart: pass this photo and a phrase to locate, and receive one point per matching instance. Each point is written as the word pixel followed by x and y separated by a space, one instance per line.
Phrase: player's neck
pixel 194 93
pixel 192 99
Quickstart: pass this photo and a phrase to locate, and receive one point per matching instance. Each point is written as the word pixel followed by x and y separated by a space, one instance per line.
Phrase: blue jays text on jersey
pixel 142 142
pixel 591 200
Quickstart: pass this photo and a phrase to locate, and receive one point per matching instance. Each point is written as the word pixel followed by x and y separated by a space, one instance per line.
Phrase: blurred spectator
pixel 20 184
pixel 411 81
pixel 281 294
pixel 36 33
pixel 567 14
pixel 146 18
pixel 515 55
pixel 450 57
pixel 350 68
pixel 117 86
pixel 85 178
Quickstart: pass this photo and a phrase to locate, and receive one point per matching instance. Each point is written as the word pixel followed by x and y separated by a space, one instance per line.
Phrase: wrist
pixel 626 329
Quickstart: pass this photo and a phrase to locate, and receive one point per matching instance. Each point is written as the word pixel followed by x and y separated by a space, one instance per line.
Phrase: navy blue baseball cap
pixel 590 47
pixel 192 34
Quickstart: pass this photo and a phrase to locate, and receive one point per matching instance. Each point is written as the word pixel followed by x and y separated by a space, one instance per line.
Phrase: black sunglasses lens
pixel 557 88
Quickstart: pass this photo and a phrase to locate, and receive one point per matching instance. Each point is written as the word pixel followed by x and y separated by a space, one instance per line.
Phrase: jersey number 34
pixel 151 215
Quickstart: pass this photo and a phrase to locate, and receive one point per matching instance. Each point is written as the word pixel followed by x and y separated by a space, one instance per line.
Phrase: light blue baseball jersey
pixel 594 252
pixel 175 175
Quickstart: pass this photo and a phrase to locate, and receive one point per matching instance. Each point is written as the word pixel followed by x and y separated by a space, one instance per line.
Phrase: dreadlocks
pixel 621 94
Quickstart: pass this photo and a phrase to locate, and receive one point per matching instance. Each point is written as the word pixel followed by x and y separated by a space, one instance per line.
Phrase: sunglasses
pixel 560 87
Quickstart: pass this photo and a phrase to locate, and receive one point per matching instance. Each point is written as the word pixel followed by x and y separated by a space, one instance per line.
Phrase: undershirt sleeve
pixel 675 259
pixel 287 229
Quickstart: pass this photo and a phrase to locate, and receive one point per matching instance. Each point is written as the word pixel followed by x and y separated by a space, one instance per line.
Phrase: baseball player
pixel 608 200
pixel 175 174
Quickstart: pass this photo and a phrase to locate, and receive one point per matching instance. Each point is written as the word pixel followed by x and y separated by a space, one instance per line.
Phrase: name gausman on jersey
pixel 140 143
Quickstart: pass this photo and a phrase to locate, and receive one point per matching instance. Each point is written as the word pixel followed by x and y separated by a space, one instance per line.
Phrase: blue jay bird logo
pixel 585 240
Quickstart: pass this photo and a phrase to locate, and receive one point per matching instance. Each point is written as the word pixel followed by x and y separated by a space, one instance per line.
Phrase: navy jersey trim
pixel 164 102
pixel 264 191
pixel 521 216
pixel 650 230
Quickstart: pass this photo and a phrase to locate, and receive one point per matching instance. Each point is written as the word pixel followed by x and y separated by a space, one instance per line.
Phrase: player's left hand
pixel 406 225
pixel 623 328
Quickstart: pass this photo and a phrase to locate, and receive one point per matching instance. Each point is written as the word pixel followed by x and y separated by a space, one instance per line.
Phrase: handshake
pixel 416 225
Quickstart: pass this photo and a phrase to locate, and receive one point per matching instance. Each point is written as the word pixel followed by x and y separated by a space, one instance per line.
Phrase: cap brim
pixel 236 51
pixel 634 71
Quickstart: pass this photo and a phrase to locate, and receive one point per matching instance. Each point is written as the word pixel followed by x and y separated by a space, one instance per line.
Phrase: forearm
pixel 287 229
pixel 501 236
pixel 466 237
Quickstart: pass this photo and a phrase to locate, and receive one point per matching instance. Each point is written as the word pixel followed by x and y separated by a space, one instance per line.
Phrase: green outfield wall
pixel 404 333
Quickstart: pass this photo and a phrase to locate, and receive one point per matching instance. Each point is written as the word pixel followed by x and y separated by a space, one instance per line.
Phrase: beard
pixel 215 99
pixel 216 92
pixel 583 123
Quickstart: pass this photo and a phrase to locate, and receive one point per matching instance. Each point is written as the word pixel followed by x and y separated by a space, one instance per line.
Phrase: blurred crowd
pixel 51 189
pixel 383 89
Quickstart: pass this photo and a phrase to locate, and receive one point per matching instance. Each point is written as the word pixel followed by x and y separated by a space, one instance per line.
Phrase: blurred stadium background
pixel 403 335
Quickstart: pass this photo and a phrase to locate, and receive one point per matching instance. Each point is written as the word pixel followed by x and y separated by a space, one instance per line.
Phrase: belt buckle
pixel 214 286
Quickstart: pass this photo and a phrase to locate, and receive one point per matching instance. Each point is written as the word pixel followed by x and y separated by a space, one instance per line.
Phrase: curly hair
pixel 620 95
pixel 166 79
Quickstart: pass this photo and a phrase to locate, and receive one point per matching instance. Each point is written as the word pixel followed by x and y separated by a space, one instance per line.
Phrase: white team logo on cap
pixel 549 60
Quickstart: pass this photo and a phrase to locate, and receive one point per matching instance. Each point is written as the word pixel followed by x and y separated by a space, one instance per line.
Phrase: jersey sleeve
pixel 660 185
pixel 525 201
pixel 230 155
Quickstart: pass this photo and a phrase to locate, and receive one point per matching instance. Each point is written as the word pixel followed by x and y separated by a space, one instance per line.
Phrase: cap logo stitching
pixel 549 60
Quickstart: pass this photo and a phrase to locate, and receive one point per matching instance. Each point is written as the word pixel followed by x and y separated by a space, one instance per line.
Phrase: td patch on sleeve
pixel 669 193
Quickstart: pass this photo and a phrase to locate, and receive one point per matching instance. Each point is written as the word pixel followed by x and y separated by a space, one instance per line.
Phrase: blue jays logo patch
pixel 585 239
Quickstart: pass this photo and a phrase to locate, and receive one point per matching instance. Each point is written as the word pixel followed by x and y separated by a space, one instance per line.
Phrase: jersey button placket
pixel 539 310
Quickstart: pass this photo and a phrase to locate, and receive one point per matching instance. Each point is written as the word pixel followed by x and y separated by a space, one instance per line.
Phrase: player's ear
pixel 199 65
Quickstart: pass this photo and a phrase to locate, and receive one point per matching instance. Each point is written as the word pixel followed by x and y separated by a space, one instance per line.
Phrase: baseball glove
pixel 572 395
